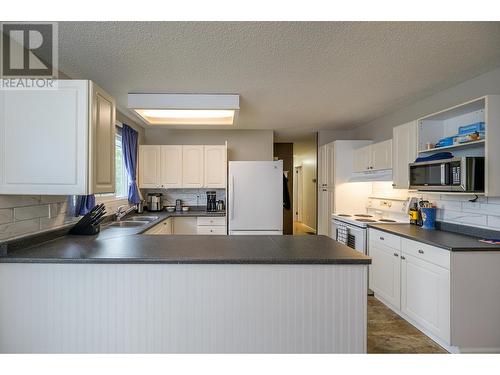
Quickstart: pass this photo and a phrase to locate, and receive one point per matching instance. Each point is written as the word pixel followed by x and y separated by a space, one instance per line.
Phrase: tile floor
pixel 388 333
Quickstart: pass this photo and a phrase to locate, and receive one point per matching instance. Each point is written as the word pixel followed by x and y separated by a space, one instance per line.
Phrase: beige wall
pixel 381 128
pixel 242 144
pixel 327 136
pixel 127 120
pixel 305 155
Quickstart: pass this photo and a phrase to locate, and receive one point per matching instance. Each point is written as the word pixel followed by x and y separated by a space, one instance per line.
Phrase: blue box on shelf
pixel 443 142
pixel 472 128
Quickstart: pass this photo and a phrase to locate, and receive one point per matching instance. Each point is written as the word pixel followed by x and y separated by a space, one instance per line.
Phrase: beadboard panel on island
pixel 182 308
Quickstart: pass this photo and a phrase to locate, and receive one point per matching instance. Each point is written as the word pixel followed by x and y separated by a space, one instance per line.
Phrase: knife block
pixel 85 230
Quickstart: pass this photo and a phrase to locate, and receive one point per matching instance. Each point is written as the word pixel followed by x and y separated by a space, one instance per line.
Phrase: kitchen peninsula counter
pixel 127 292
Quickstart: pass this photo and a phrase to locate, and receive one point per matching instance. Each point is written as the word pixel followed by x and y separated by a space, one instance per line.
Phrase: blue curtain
pixel 84 203
pixel 129 147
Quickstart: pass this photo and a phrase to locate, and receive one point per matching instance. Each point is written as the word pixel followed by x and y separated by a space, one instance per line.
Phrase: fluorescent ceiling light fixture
pixel 185 109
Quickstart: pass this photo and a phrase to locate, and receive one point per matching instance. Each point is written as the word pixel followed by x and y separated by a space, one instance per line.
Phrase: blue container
pixel 472 128
pixel 443 142
pixel 428 217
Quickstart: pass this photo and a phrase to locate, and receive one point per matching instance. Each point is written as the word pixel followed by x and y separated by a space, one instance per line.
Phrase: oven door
pixel 433 175
pixel 349 235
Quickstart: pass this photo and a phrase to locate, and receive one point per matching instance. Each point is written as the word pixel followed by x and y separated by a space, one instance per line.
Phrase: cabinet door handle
pixel 421 251
pixel 396 254
pixel 382 238
pixel 402 257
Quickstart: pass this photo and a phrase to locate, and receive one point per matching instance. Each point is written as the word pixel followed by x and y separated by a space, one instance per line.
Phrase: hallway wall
pixel 284 151
pixel 305 155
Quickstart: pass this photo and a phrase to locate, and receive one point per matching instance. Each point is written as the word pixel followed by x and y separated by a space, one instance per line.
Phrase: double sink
pixel 133 221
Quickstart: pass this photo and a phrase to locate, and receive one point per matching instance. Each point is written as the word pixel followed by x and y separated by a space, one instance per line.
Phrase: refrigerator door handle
pixel 231 193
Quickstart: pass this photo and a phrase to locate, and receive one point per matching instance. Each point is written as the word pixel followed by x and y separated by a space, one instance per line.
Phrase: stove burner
pixel 345 215
pixel 366 220
pixel 387 220
pixel 363 215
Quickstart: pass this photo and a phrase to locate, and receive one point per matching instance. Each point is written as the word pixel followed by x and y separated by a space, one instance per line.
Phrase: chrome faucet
pixel 123 210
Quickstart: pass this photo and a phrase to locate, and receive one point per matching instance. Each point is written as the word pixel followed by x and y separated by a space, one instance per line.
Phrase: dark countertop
pixel 128 245
pixel 443 239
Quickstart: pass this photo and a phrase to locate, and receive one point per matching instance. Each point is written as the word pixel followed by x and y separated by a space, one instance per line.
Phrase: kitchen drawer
pixel 207 229
pixel 431 254
pixel 212 221
pixel 384 238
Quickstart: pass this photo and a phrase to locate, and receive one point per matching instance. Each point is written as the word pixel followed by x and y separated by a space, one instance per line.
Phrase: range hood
pixel 380 175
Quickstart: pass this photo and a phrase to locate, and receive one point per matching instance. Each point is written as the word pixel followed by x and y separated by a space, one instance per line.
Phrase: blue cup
pixel 428 217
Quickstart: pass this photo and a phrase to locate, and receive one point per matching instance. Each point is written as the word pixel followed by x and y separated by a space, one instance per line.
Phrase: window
pixel 121 172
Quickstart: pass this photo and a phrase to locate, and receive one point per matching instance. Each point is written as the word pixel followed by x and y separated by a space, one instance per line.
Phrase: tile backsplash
pixel 457 209
pixel 25 214
pixel 189 197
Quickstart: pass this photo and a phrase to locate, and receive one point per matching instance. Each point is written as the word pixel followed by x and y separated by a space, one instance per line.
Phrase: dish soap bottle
pixel 413 212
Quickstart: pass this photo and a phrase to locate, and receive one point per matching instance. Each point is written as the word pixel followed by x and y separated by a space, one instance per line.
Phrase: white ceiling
pixel 293 77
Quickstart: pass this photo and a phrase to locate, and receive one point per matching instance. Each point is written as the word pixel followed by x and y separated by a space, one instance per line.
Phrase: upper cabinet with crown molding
pixel 182 166
pixel 57 141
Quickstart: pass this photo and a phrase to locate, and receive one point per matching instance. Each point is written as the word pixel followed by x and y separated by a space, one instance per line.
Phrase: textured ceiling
pixel 293 77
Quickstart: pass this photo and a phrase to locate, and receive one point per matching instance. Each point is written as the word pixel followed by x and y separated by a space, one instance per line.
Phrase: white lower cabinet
pixel 212 225
pixel 414 280
pixel 325 210
pixel 385 273
pixel 425 295
pixel 165 227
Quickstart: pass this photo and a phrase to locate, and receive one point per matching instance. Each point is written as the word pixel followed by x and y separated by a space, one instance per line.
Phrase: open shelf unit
pixel 479 143
pixel 445 123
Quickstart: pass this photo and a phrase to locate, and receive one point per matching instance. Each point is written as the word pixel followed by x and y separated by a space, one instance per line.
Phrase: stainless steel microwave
pixel 455 174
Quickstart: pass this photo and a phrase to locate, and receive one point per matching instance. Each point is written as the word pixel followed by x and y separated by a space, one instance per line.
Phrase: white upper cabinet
pixel 362 159
pixel 192 166
pixel 376 156
pixel 382 155
pixel 58 141
pixel 215 166
pixel 171 167
pixel 102 133
pixel 149 166
pixel 404 152
pixel 178 166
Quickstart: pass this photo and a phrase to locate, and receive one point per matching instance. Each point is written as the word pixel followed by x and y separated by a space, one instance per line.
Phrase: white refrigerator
pixel 255 204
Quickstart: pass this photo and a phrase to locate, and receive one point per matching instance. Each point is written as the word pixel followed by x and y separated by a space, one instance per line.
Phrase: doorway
pixel 297 193
pixel 305 192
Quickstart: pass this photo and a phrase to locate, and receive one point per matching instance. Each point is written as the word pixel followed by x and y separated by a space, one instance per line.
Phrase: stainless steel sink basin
pixel 142 218
pixel 128 223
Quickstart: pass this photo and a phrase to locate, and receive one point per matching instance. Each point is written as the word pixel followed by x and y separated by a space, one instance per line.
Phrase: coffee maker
pixel 154 202
pixel 211 201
